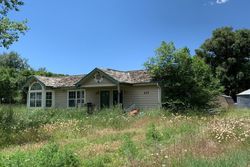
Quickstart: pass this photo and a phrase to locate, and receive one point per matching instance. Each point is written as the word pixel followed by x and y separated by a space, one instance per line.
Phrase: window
pixel 48 99
pixel 36 86
pixel 72 99
pixel 36 95
pixel 36 99
pixel 76 98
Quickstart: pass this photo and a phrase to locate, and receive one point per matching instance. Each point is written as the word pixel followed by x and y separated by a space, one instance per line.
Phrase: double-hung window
pixel 76 98
pixel 36 95
pixel 48 99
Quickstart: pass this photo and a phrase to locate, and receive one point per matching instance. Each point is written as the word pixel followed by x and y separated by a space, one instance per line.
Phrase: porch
pixel 104 97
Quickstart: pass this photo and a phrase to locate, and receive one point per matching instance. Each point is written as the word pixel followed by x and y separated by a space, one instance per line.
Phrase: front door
pixel 105 95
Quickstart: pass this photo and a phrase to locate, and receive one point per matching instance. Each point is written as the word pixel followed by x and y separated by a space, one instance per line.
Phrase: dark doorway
pixel 105 95
pixel 115 97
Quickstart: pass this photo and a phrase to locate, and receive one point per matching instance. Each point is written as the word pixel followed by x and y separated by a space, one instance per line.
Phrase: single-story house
pixel 100 87
pixel 243 99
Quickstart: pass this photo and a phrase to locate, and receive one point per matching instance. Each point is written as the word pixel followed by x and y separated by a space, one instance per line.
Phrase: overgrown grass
pixel 49 155
pixel 112 138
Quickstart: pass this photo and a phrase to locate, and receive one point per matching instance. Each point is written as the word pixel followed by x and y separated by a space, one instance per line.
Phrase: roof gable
pixel 92 74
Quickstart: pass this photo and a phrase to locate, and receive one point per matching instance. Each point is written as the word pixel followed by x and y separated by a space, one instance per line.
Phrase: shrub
pixel 187 82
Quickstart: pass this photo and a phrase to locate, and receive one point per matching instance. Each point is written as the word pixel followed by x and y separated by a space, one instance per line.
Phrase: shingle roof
pixel 247 92
pixel 131 77
pixel 140 76
pixel 57 82
pixel 135 76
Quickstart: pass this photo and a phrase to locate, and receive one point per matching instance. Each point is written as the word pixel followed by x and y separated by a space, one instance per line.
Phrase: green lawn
pixel 111 138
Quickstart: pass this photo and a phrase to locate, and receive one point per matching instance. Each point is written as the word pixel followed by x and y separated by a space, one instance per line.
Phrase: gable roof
pixel 129 77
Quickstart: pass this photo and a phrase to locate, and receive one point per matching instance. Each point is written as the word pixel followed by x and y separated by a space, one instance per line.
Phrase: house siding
pixel 61 98
pixel 144 97
pixel 92 96
pixel 91 82
pixel 243 101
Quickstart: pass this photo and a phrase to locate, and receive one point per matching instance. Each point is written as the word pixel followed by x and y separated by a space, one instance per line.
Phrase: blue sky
pixel 73 37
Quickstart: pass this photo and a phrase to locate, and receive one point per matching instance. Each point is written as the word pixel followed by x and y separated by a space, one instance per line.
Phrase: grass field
pixel 111 138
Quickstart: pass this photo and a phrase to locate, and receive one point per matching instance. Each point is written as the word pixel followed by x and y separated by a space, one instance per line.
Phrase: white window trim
pixel 75 90
pixel 36 91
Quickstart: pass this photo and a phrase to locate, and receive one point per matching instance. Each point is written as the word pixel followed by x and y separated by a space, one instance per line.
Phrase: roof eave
pixel 145 83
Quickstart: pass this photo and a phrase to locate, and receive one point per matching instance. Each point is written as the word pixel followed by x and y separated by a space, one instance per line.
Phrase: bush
pixel 187 82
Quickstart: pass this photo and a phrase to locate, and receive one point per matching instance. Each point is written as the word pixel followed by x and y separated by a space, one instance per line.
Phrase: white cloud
pixel 215 2
pixel 221 1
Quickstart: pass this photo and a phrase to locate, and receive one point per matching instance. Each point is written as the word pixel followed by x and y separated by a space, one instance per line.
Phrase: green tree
pixel 14 71
pixel 186 81
pixel 10 30
pixel 228 53
pixel 44 72
pixel 13 60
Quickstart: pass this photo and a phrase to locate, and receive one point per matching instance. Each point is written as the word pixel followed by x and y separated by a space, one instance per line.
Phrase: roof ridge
pixel 135 70
pixel 121 70
pixel 110 69
pixel 80 75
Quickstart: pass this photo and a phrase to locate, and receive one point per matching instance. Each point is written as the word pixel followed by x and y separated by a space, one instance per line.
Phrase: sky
pixel 75 36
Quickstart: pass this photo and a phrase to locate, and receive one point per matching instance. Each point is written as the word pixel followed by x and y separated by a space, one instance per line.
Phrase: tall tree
pixel 13 60
pixel 186 81
pixel 10 30
pixel 228 53
pixel 13 72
